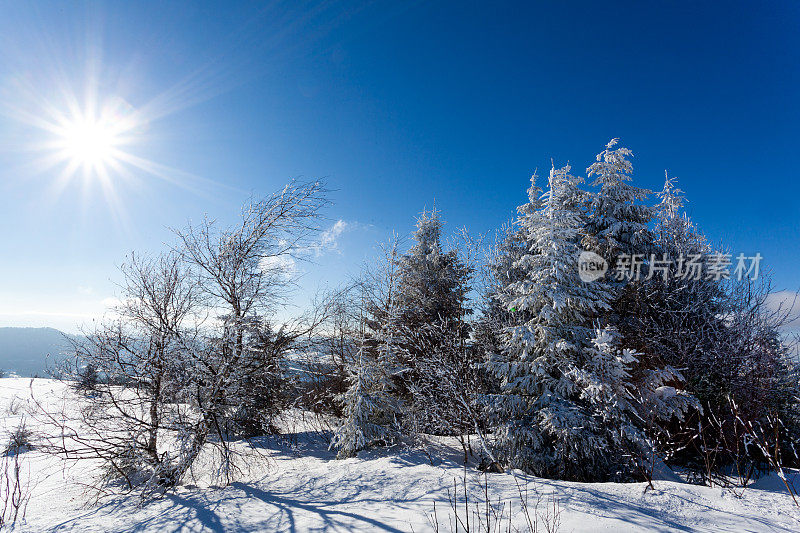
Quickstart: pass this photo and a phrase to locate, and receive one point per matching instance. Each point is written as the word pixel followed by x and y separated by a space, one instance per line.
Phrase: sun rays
pixel 91 140
pixel 73 126
pixel 88 124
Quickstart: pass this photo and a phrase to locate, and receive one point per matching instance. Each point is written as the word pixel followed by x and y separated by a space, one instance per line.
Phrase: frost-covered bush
pixel 191 360
pixel 20 440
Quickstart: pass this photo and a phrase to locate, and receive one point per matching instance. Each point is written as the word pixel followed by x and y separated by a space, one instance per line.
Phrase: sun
pixel 89 143
pixel 86 140
pixel 93 138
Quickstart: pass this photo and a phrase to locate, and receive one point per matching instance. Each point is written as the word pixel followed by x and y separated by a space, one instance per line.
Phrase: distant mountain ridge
pixel 31 351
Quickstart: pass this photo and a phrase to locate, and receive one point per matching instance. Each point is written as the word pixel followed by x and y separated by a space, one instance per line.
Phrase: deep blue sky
pixel 456 102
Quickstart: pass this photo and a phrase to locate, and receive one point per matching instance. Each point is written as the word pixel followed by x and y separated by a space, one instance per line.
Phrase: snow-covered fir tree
pixel 261 388
pixel 675 233
pixel 546 422
pixel 617 221
pixel 618 225
pixel 581 395
pixel 717 331
pixel 504 270
pixel 369 408
pixel 671 315
pixel 608 387
pixel 371 405
pixel 432 304
pixel 498 273
pixel 433 283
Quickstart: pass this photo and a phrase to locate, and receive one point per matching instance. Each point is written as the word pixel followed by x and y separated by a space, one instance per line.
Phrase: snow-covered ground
pixel 301 487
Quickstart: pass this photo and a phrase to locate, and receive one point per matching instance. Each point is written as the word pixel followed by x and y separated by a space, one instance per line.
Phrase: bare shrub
pixel 15 406
pixel 20 440
pixel 14 485
pixel 530 512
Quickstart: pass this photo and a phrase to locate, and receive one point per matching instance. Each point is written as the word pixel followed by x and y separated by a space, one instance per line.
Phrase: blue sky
pixel 397 105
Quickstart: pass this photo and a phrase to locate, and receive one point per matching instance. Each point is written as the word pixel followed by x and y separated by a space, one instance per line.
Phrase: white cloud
pixel 787 302
pixel 110 302
pixel 279 264
pixel 328 239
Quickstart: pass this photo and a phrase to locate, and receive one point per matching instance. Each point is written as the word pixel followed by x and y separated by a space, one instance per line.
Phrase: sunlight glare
pixel 89 143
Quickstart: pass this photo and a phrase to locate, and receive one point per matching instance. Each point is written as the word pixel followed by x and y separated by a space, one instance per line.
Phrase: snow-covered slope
pixel 301 487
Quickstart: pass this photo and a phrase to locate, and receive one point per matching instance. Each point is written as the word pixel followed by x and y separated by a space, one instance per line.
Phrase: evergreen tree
pixel 617 223
pixel 262 389
pixel 675 234
pixel 547 424
pixel 433 283
pixel 88 378
pixel 608 389
pixel 369 408
pixel 371 405
pixel 432 311
pixel 672 317
pixel 499 273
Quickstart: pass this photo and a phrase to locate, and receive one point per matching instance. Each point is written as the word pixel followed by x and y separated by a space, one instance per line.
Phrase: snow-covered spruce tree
pixel 494 317
pixel 549 420
pixel 263 389
pixel 87 379
pixel 501 271
pixel 617 222
pixel 498 273
pixel 714 338
pixel 723 338
pixel 370 406
pixel 618 226
pixel 432 310
pixel 633 402
pixel 433 283
pixel 674 232
pixel 673 315
pixel 606 383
